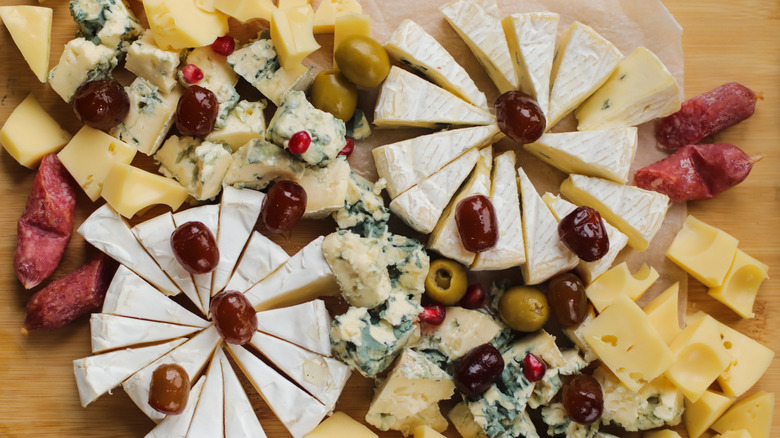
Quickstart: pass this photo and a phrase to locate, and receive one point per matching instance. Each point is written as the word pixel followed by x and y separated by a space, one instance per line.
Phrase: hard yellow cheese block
pixel 623 338
pixel 703 251
pixel 742 433
pixel 663 313
pixel 130 190
pixel 182 24
pixel 741 284
pixel 89 156
pixel 30 133
pixel 665 433
pixel 285 4
pixel 350 24
pixel 328 10
pixel 699 416
pixel 341 425
pixel 246 10
pixel 292 35
pixel 30 27
pixel 753 414
pixel 426 432
pixel 619 281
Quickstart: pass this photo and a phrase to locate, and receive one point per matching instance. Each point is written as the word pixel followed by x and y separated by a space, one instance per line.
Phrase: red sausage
pixel 46 225
pixel 696 172
pixel 74 295
pixel 706 114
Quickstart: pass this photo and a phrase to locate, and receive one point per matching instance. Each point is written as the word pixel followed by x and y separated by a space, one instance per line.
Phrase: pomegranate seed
pixel 224 45
pixel 299 142
pixel 533 367
pixel 349 147
pixel 433 315
pixel 474 298
pixel 192 73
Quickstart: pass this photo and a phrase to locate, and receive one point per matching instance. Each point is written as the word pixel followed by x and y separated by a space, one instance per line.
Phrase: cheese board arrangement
pixel 474 218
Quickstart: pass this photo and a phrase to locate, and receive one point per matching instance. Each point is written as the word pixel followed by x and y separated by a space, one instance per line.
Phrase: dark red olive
pixel 195 247
pixel 583 232
pixel 582 398
pixel 197 111
pixel 474 298
pixel 478 369
pixel 477 223
pixel 568 302
pixel 283 206
pixel 520 117
pixel 234 317
pixel 101 104
pixel 169 389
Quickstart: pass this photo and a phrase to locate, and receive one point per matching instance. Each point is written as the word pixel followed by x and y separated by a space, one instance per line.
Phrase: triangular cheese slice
pixel 209 216
pixel 531 39
pixel 546 255
pixel 411 45
pixel 129 295
pixel 240 417
pixel 583 63
pixel 30 27
pixel 606 154
pixel 260 258
pixel 406 163
pixel 490 6
pixel 96 375
pixel 421 206
pixel 208 421
pixel 107 231
pixel 510 248
pixel 753 414
pixel 298 411
pixel 483 33
pixel 177 425
pixel 445 237
pixel 109 332
pixel 636 212
pixel 306 325
pixel 407 100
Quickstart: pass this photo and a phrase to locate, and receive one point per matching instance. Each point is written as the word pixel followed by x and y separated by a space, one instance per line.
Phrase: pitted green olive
pixel 334 93
pixel 362 60
pixel 446 282
pixel 524 308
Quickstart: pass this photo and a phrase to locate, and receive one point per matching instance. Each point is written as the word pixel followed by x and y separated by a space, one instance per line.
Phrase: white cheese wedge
pixel 96 375
pixel 326 188
pixel 260 258
pixel 407 100
pixel 606 153
pixel 421 206
pixel 30 27
pixel 583 63
pixel 129 295
pixel 107 231
pixel 412 46
pixel 531 39
pixel 483 33
pixel 510 248
pixel 298 411
pixel 209 216
pixel 240 418
pixel 445 237
pixel 306 325
pixel 177 425
pixel 191 355
pixel 636 212
pixel 641 89
pixel 589 271
pixel 546 254
pixel 406 163
pixel 109 332
pixel 208 419
pixel 305 276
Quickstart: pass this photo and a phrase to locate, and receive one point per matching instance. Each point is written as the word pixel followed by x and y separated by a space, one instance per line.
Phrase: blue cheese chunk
pixel 407 264
pixel 560 424
pixel 326 188
pixel 244 122
pixel 198 166
pixel 364 210
pixel 107 22
pixel 150 117
pixel 461 331
pixel 359 267
pixel 81 61
pixel 258 163
pixel 218 77
pixel 358 127
pixel 152 63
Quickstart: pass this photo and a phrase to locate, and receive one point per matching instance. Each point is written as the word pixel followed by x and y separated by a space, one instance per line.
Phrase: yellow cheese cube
pixel 665 433
pixel 246 10
pixel 30 133
pixel 292 35
pixel 30 27
pixel 741 284
pixel 699 357
pixel 328 10
pixel 340 425
pixel 663 313
pixel 286 4
pixel 753 414
pixel 623 338
pixel 742 433
pixel 620 281
pixel 699 416
pixel 130 190
pixel 426 432
pixel 350 24
pixel 703 251
pixel 181 24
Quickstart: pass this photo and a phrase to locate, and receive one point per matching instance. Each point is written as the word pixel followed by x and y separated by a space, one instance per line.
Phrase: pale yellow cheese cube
pixel 326 188
pixel 182 24
pixel 619 281
pixel 348 25
pixel 426 432
pixel 89 156
pixel 753 414
pixel 340 425
pixel 30 133
pixel 741 284
pixel 30 27
pixel 742 433
pixel 665 433
pixel 328 10
pixel 699 416
pixel 130 190
pixel 286 4
pixel 246 10
pixel 292 35
pixel 663 313
pixel 703 251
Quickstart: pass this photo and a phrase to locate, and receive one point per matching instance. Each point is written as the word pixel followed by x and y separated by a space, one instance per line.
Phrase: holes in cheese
pixel 619 281
pixel 741 284
pixel 703 251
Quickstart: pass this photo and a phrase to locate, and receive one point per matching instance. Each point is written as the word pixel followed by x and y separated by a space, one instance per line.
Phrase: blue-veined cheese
pixel 150 118
pixel 358 127
pixel 258 163
pixel 326 188
pixel 107 22
pixel 152 63
pixel 408 264
pixel 198 165
pixel 559 424
pixel 218 77
pixel 81 61
pixel 461 331
pixel 364 210
pixel 359 267
pixel 243 123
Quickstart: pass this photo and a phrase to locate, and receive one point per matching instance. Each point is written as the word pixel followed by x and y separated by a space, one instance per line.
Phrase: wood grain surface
pixel 723 40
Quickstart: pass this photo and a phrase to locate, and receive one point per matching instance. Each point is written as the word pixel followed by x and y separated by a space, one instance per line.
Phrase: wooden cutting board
pixel 723 40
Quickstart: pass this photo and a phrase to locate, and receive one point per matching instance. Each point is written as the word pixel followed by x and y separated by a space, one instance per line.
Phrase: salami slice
pixel 706 115
pixel 76 294
pixel 46 225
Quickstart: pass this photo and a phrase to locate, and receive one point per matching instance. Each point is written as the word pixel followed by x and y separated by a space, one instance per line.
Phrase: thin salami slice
pixel 46 225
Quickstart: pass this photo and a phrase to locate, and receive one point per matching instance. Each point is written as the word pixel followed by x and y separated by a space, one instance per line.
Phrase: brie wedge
pixel 260 258
pixel 109 332
pixel 177 425
pixel 208 419
pixel 306 325
pixel 208 215
pixel 240 418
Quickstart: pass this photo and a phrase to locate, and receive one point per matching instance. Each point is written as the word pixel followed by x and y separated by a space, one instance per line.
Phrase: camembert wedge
pixel 306 325
pixel 261 257
pixel 208 215
pixel 109 332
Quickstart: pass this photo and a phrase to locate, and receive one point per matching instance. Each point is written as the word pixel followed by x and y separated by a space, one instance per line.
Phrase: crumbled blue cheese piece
pixel 152 63
pixel 359 266
pixel 218 77
pixel 358 127
pixel 150 117
pixel 364 210
pixel 258 163
pixel 81 61
pixel 461 331
pixel 198 166
pixel 326 188
pixel 407 264
pixel 551 382
pixel 244 122
pixel 559 424
pixel 107 22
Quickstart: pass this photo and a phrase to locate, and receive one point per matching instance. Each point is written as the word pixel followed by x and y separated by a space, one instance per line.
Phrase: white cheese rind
pixel 177 425
pixel 260 258
pixel 208 215
pixel 208 419
pixel 109 332
pixel 306 325
pixel 240 418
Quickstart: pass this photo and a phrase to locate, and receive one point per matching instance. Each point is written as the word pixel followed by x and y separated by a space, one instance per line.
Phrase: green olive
pixel 362 60
pixel 334 93
pixel 446 282
pixel 524 309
